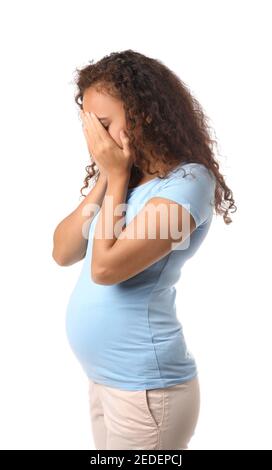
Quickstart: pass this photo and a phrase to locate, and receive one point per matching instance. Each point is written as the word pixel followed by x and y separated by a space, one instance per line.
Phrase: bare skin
pixel 104 106
pixel 70 245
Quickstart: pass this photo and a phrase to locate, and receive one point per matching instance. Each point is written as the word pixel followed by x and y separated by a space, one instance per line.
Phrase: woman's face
pixel 108 110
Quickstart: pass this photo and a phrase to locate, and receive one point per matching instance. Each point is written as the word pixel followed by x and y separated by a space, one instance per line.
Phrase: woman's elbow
pixel 60 259
pixel 102 276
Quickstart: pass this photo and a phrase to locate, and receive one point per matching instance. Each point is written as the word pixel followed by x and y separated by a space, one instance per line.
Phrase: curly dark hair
pixel 162 118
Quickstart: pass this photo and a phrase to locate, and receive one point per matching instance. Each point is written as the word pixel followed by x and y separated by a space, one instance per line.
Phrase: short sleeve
pixel 193 186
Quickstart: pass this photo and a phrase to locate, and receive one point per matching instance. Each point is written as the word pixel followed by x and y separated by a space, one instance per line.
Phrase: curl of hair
pixel 166 124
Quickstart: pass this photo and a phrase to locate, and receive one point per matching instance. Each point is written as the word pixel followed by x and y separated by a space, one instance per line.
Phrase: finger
pixel 89 145
pixel 125 142
pixel 82 117
pixel 101 131
pixel 92 127
pixel 91 135
pixel 87 135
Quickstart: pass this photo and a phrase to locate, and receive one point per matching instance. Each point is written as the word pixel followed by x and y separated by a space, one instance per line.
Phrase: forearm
pixel 70 236
pixel 110 221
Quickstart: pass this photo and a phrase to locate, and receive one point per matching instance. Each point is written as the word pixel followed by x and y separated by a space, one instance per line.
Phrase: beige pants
pixel 160 418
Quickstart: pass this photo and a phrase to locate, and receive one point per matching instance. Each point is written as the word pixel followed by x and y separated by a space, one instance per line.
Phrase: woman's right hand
pixel 102 176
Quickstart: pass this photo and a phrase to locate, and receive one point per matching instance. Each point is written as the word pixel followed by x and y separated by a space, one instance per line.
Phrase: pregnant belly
pixel 98 329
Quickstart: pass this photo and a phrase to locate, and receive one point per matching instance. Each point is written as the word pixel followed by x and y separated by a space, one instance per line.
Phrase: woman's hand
pixel 109 157
pixel 102 176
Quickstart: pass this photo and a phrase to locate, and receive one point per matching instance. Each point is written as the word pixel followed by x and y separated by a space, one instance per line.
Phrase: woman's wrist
pixel 118 177
pixel 102 178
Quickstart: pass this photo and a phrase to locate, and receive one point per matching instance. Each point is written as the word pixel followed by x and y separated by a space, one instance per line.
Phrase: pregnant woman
pixel 156 184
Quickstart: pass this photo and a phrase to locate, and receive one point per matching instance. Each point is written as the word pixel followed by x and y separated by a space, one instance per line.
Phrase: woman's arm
pixel 123 253
pixel 69 243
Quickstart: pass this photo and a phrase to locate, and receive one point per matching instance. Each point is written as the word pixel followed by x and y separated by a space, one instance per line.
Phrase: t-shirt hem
pixel 156 383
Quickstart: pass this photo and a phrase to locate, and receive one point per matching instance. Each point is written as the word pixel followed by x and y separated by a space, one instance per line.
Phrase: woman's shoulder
pixel 191 170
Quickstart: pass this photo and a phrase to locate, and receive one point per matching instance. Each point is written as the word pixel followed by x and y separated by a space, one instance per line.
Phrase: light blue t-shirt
pixel 128 335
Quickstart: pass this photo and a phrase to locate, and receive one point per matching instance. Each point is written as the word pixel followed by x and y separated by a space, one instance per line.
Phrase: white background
pixel 221 50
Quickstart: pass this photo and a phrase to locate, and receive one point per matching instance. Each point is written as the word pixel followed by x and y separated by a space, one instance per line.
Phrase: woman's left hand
pixel 110 158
